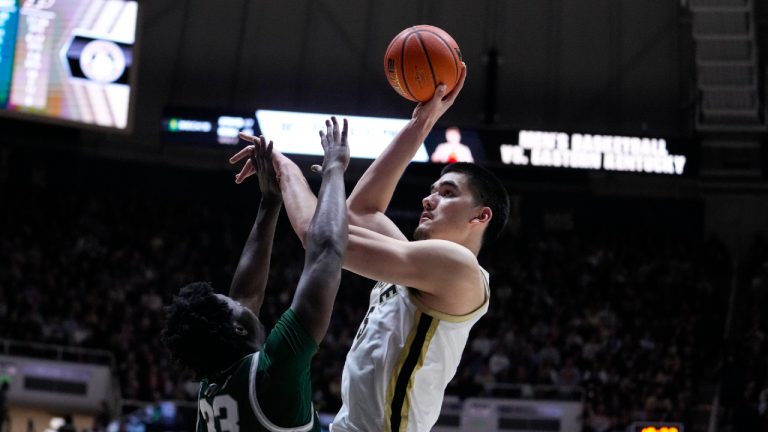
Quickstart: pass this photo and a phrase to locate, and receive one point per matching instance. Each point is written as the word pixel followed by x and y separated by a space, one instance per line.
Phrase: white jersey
pixel 402 359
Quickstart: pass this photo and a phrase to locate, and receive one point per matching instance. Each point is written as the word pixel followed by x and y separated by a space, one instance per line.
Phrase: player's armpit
pixel 437 267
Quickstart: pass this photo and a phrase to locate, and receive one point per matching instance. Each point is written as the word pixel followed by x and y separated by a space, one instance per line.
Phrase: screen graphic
pixel 68 59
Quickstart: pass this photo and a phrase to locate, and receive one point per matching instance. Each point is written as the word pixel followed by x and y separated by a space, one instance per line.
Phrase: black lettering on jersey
pixel 388 294
pixel 363 325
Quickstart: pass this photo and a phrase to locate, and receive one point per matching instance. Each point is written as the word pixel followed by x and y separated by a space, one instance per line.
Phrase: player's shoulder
pixel 465 270
pixel 446 249
pixel 289 339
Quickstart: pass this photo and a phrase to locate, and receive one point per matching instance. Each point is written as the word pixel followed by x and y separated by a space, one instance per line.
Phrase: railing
pixel 56 352
pixel 538 392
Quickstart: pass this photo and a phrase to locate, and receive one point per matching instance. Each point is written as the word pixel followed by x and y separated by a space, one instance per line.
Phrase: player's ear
pixel 240 330
pixel 484 216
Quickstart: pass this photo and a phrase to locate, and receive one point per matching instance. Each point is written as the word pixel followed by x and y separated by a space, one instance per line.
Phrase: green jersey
pixel 269 390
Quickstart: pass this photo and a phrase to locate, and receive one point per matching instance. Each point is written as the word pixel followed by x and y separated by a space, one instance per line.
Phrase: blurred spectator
pixel 744 372
pixel 103 418
pixel 68 425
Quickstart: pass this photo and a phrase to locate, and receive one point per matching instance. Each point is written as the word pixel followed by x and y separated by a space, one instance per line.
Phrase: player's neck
pixel 474 246
pixel 227 370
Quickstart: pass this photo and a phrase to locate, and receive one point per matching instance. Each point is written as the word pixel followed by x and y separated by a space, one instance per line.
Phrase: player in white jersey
pixel 409 344
pixel 419 348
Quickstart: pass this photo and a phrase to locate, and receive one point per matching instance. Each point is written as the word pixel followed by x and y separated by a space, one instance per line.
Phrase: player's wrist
pixel 422 124
pixel 333 166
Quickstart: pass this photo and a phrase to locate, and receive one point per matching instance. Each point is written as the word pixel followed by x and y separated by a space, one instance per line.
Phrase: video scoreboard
pixel 68 60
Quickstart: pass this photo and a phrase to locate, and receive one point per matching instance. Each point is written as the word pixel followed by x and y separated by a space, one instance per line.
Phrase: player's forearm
pixel 298 199
pixel 374 190
pixel 329 228
pixel 250 279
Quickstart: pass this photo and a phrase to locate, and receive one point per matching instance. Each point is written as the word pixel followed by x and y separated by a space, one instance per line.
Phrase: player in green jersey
pixel 250 382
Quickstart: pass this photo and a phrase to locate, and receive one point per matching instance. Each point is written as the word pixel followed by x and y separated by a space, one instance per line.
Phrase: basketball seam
pixel 402 65
pixel 429 61
pixel 455 63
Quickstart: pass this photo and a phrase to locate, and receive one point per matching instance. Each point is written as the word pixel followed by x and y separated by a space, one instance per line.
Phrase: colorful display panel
pixel 70 60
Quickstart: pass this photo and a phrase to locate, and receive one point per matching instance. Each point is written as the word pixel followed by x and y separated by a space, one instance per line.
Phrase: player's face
pixel 247 325
pixel 448 210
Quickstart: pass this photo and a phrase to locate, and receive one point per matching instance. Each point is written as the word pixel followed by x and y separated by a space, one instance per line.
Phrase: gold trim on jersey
pixel 398 401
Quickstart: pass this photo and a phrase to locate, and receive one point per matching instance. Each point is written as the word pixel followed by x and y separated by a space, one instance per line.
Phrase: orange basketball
pixel 420 58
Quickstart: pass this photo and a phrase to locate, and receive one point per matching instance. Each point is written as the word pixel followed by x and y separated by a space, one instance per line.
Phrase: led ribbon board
pixel 594 152
pixel 223 129
pixel 297 133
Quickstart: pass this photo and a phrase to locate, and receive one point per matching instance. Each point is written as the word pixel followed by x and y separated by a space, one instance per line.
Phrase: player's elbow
pixel 356 218
pixel 327 245
pixel 326 259
pixel 354 212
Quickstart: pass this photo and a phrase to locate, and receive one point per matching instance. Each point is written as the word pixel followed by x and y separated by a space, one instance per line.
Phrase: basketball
pixel 419 59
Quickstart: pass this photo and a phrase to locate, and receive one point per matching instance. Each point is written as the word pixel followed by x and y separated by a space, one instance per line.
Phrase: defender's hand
pixel 259 162
pixel 335 146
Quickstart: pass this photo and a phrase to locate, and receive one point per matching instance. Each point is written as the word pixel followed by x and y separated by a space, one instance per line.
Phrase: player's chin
pixel 421 233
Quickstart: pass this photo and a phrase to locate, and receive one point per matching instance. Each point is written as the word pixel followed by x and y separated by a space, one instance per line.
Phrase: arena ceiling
pixel 600 65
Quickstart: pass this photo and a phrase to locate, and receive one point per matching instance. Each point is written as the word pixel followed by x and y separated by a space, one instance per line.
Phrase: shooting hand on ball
pixel 431 110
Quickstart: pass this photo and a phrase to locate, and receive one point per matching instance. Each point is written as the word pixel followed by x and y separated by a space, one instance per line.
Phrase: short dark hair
pixel 199 331
pixel 489 191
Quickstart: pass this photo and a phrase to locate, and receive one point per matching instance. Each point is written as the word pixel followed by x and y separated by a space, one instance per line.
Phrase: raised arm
pixel 326 238
pixel 250 279
pixel 373 192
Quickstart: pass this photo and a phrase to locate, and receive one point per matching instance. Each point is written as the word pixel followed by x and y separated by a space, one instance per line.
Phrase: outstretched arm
pixel 326 239
pixel 373 192
pixel 250 279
